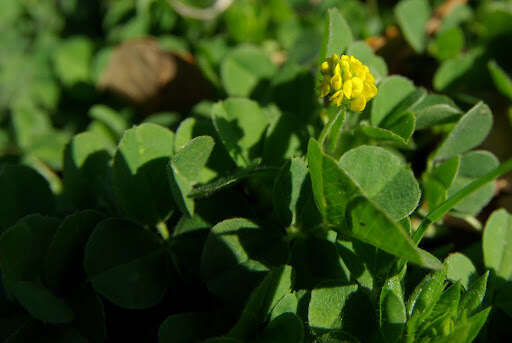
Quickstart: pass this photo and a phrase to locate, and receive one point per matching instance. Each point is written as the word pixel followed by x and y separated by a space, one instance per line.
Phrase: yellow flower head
pixel 347 81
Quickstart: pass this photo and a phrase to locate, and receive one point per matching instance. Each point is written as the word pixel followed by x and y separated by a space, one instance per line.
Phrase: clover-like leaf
pixel 87 161
pixel 338 34
pixel 391 92
pixel 241 125
pixel 24 191
pixel 382 177
pixel 185 170
pixel 126 264
pixel 140 174
pixel 496 239
pixel 412 16
pixel 243 68
pixel 472 128
pixel 65 253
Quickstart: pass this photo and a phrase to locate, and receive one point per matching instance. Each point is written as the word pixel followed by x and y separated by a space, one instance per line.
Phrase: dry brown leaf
pixel 152 79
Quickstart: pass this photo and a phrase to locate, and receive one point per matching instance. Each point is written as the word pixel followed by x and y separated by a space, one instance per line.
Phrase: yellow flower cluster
pixel 346 78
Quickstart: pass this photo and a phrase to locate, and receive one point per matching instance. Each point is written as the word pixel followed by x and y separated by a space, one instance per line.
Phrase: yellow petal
pixel 370 90
pixel 325 88
pixel 347 74
pixel 357 86
pixel 336 82
pixel 324 67
pixel 347 89
pixel 369 77
pixel 337 98
pixel 337 69
pixel 358 104
pixel 335 59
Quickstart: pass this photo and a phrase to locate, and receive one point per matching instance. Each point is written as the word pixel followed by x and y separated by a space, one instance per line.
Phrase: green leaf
pixel 315 260
pixel 460 269
pixel 460 14
pixel 293 91
pixel 220 183
pixel 331 133
pixel 87 162
pixel 241 125
pixel 238 251
pixel 423 300
pixel 382 177
pixel 41 303
pixel 244 68
pixel 65 253
pixel 184 133
pixel 167 119
pixel 447 44
pixel 454 68
pixel 287 304
pixel 391 92
pixel 435 193
pixel 24 191
pixel 288 188
pixel 426 294
pixel 364 53
pixel 247 21
pixel 473 165
pixel 332 187
pixel 370 225
pixel 186 244
pixel 470 131
pixel 262 301
pixel 412 16
pixel 72 60
pixel 287 328
pixel 190 159
pixel 380 134
pixel 31 234
pixel 337 36
pixel 475 294
pixel 467 331
pixel 440 210
pixel 401 124
pixel 111 118
pixel 132 272
pixel 186 166
pixel 29 123
pixel 392 311
pixel 496 241
pixel 434 110
pixel 444 313
pixel 501 79
pixel 49 148
pixel 447 171
pixel 439 180
pixel 448 303
pixel 326 306
pixel 182 328
pixel 140 173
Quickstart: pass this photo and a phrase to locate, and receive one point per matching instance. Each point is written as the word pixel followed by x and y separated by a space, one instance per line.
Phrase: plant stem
pixel 451 202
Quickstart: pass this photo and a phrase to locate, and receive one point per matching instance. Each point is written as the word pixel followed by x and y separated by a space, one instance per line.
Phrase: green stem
pixel 451 202
pixel 163 230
